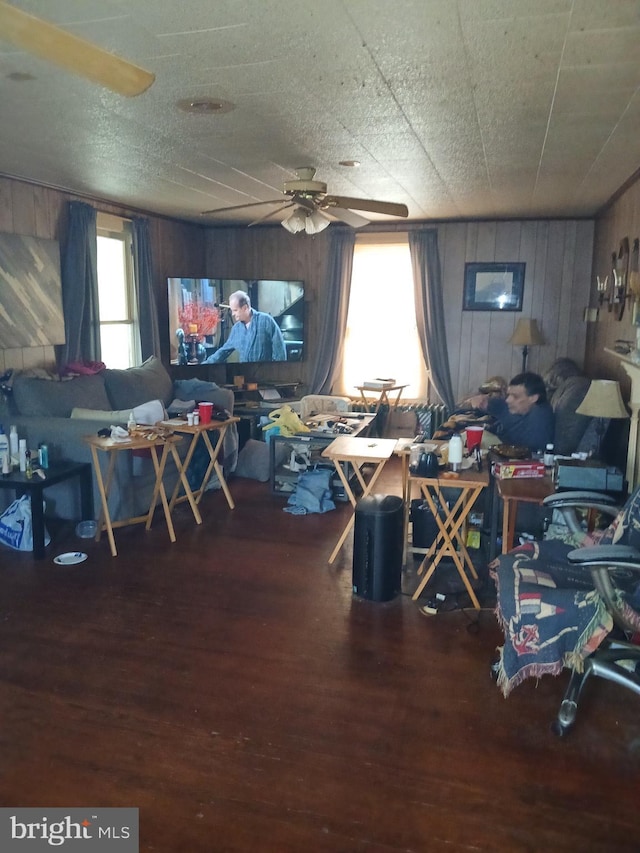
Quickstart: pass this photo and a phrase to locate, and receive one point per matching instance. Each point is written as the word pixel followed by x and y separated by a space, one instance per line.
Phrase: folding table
pixel 450 527
pixel 357 452
pixel 195 431
pixel 111 447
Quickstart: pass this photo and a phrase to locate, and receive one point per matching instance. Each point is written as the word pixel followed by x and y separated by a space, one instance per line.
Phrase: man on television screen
pixel 255 335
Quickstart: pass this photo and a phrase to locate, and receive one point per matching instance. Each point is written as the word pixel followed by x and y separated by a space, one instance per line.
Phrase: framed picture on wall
pixel 493 287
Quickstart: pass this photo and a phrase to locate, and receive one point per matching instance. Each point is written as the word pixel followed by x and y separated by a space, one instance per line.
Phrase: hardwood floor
pixel 232 688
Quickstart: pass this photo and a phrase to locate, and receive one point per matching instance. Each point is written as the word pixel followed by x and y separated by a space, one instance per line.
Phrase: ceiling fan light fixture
pixel 296 221
pixel 315 222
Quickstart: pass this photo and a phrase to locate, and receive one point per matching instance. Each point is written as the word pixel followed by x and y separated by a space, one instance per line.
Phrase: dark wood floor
pixel 231 687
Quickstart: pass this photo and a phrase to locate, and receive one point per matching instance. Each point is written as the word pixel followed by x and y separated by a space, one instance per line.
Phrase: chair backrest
pixel 317 404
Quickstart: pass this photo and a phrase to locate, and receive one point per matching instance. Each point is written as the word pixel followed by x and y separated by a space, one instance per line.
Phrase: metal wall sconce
pixel 622 285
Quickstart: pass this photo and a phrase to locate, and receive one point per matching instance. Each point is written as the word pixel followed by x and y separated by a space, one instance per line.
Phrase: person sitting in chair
pixel 524 418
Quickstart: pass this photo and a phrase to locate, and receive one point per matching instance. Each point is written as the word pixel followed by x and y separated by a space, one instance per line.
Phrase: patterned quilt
pixel 550 612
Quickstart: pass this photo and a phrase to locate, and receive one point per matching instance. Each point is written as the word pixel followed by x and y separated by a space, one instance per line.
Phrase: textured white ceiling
pixel 458 108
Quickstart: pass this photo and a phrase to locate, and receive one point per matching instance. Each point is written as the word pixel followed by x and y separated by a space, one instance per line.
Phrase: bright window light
pixel 382 338
pixel 119 331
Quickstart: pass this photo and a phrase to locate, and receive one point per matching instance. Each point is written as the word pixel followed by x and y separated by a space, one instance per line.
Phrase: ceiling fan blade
pixel 388 207
pixel 270 214
pixel 349 217
pixel 241 206
pixel 71 52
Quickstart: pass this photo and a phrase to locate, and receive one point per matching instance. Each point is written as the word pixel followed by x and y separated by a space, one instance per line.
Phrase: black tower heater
pixel 377 547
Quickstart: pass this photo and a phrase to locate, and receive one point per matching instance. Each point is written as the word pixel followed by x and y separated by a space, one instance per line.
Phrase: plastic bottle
pixel 549 456
pixel 4 445
pixel 131 423
pixel 13 445
pixel 455 452
pixel 22 454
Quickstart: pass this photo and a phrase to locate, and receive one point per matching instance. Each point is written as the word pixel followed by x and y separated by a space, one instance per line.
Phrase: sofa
pixel 60 411
pixel 567 387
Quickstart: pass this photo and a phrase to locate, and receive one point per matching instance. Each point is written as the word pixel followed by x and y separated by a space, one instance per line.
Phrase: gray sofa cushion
pixel 56 399
pixel 136 385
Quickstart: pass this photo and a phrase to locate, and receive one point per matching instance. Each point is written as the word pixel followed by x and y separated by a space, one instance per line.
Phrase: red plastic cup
pixel 474 437
pixel 205 410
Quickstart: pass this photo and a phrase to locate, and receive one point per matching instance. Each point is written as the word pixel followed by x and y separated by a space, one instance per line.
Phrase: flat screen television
pixel 201 323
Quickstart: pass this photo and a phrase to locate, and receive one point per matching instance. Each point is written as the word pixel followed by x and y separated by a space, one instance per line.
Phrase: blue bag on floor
pixel 313 492
pixel 16 529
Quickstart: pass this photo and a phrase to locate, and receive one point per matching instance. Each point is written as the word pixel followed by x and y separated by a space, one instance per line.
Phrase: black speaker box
pixel 377 547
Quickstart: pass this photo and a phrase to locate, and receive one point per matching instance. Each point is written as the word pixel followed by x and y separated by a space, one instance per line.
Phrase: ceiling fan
pixel 71 52
pixel 311 204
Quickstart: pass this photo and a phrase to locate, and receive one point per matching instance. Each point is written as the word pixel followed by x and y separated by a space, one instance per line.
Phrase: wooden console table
pixel 513 491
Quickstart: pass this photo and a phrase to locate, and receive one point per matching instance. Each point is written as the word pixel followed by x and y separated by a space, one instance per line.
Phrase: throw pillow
pixel 132 387
pixel 147 413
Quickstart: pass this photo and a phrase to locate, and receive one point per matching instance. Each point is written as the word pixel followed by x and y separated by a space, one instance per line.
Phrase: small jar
pixel 43 456
pixel 415 451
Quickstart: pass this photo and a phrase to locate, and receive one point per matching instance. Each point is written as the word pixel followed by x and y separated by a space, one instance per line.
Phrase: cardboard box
pixel 517 469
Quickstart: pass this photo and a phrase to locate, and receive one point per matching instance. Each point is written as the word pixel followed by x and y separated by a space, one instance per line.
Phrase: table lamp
pixel 526 334
pixel 603 401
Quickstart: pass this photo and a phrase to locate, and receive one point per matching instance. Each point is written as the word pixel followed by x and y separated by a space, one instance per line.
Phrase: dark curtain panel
pixel 335 304
pixel 427 285
pixel 143 270
pixel 80 287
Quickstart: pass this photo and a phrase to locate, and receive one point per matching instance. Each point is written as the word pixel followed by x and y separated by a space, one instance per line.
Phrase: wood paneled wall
pixel 27 208
pixel 558 258
pixel 557 253
pixel 620 219
pixel 556 289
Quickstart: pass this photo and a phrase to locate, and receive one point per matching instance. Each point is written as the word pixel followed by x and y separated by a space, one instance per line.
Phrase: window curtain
pixel 427 283
pixel 79 275
pixel 335 306
pixel 143 272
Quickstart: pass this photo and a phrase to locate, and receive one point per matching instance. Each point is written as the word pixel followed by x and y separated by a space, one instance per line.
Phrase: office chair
pixel 563 606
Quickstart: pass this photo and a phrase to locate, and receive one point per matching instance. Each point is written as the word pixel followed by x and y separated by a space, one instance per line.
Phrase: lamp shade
pixel 526 334
pixel 603 400
pixel 311 221
pixel 296 221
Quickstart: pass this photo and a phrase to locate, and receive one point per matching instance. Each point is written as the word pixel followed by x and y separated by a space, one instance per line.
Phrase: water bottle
pixel 455 452
pixel 13 445
pixel 4 445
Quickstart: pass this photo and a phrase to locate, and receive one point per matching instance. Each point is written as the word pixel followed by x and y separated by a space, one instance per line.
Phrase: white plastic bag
pixel 16 529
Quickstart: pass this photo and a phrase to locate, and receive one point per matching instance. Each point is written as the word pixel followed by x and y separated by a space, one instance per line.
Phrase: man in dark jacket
pixel 524 418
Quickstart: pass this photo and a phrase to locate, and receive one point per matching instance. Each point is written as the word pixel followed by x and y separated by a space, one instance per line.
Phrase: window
pixel 119 330
pixel 382 337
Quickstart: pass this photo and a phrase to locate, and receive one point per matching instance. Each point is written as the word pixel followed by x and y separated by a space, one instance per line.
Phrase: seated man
pixel 524 418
